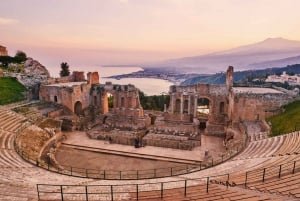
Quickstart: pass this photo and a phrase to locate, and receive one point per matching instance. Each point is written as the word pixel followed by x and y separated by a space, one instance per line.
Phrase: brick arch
pixel 78 108
pixel 204 100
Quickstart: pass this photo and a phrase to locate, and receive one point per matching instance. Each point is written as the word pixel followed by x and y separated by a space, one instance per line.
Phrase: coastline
pixel 172 76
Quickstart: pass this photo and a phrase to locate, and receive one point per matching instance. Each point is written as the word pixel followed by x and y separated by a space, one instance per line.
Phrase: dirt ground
pixel 91 160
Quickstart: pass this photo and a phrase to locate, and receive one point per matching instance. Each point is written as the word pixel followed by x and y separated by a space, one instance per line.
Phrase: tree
pixel 64 69
pixel 20 56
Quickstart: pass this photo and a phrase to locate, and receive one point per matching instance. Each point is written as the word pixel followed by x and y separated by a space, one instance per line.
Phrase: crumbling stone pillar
pixel 189 105
pixel 181 104
pixel 195 106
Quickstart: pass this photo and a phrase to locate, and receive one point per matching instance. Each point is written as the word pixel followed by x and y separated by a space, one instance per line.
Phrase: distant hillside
pixel 276 63
pixel 220 78
pixel 243 58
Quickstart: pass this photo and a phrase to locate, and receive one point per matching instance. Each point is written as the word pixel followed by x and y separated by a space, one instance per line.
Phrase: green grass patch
pixel 287 121
pixel 11 90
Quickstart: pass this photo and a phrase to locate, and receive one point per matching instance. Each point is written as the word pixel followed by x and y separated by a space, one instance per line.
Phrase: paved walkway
pixel 213 144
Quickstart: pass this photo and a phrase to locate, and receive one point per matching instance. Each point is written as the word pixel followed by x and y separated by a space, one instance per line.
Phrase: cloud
pixel 6 21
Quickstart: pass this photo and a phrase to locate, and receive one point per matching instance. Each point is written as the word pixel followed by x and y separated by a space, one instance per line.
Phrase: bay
pixel 149 86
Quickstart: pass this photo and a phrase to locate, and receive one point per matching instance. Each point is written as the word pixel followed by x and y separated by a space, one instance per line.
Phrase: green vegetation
pixel 11 90
pixel 64 69
pixel 154 102
pixel 288 121
pixel 17 59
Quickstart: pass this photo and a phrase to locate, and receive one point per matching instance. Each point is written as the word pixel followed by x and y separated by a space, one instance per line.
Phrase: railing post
pixel 86 194
pixel 264 173
pixel 137 192
pixel 111 193
pixel 37 163
pixel 294 166
pixel 38 191
pixel 185 188
pixel 279 175
pixel 227 183
pixel 246 179
pixel 61 193
pixel 161 190
pixel 207 182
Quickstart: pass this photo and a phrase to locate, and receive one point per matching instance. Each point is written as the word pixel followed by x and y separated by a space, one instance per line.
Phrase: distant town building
pixel 3 51
pixel 290 79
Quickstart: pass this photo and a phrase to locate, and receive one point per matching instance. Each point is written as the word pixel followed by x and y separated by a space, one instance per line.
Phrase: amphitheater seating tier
pixel 18 178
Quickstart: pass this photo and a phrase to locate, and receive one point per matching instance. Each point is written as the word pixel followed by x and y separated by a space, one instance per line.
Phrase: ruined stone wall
pixel 184 102
pixel 3 51
pixel 253 107
pixel 126 100
pixel 93 78
pixel 66 96
pixel 78 76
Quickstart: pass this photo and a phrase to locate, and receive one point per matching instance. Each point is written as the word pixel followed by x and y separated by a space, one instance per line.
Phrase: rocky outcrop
pixel 35 68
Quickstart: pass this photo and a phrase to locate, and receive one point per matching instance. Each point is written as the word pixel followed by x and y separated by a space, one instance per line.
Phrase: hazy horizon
pixel 112 32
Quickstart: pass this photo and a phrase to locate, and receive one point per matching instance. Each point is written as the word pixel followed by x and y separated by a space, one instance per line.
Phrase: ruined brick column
pixel 189 106
pixel 195 106
pixel 172 103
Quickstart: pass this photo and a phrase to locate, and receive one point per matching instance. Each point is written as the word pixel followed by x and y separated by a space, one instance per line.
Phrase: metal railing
pixel 116 192
pixel 160 189
pixel 262 174
pixel 124 175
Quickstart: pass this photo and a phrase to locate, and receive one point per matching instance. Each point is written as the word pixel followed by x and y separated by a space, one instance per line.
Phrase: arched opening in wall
pixel 122 102
pixel 222 108
pixel 95 100
pixel 177 106
pixel 78 108
pixel 153 118
pixel 202 106
pixel 55 99
pixel 110 100
pixel 185 106
pixel 202 125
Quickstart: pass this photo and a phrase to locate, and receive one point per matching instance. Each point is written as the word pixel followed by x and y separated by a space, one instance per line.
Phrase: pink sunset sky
pixel 99 32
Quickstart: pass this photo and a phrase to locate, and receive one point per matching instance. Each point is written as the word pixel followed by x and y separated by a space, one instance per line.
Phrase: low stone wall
pixel 169 141
pixel 56 113
pixel 47 152
pixel 31 141
pixel 114 136
pixel 178 117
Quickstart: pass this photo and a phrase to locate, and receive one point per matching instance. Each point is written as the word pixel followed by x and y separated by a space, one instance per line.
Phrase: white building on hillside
pixel 290 79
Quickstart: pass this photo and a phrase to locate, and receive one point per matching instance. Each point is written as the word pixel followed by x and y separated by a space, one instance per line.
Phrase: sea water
pixel 149 86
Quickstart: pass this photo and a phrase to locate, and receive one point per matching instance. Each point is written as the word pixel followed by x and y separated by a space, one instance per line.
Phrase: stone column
pixel 189 105
pixel 195 105
pixel 172 103
pixel 181 104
